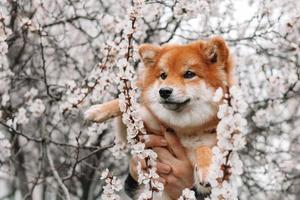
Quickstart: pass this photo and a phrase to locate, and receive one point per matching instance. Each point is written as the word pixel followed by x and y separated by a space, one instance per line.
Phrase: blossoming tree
pixel 59 57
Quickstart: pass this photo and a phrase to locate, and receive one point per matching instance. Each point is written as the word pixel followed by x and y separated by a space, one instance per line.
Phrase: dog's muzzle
pixel 175 105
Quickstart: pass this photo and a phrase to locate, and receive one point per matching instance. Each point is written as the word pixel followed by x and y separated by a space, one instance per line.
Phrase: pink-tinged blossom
pixel 11 123
pixel 236 163
pixel 5 99
pixel 261 117
pixel 231 131
pixel 85 45
pixel 147 194
pixel 31 93
pixel 128 105
pixel 4 148
pixel 277 86
pixel 218 95
pixel 119 150
pixel 138 148
pixel 104 174
pixel 21 117
pixel 3 46
pixel 224 109
pixel 113 185
pixel 5 71
pixel 37 108
pixel 187 194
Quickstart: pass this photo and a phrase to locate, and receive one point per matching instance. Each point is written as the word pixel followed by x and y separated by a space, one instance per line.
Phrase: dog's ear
pixel 149 53
pixel 216 51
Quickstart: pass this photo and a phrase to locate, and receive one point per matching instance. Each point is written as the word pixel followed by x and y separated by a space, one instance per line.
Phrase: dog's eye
pixel 189 74
pixel 163 75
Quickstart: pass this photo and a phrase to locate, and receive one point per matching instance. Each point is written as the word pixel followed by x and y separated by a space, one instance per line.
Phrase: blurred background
pixel 58 57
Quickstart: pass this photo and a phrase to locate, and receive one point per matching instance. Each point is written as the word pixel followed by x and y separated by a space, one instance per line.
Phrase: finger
pixel 161 180
pixel 170 179
pixel 133 167
pixel 152 131
pixel 164 156
pixel 175 144
pixel 154 141
pixel 163 168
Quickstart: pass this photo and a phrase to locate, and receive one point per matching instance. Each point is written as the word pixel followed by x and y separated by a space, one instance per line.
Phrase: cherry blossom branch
pixel 266 45
pixel 90 88
pixel 40 140
pixel 128 106
pixel 231 131
pixel 78 160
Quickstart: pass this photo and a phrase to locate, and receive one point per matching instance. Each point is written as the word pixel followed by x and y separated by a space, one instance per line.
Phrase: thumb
pixel 174 143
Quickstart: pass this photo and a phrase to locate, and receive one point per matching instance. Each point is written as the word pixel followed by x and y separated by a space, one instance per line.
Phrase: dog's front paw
pixel 201 180
pixel 202 174
pixel 102 112
pixel 95 113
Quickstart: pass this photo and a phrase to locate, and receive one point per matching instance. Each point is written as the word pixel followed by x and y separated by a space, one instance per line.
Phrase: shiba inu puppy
pixel 178 84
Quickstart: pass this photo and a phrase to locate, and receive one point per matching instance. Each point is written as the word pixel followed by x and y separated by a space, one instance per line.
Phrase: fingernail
pixel 163 142
pixel 141 138
pixel 163 181
pixel 166 169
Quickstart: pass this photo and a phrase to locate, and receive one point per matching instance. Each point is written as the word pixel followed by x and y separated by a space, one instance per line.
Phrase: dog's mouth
pixel 175 105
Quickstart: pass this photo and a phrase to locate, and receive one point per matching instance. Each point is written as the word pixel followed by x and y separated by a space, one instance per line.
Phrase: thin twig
pixel 56 175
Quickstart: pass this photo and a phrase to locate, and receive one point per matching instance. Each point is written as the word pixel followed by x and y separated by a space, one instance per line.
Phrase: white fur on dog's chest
pixel 188 140
pixel 200 139
pixel 193 142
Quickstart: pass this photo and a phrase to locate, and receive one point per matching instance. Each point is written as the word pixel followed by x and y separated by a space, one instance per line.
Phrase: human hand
pixel 152 141
pixel 173 166
pixel 182 173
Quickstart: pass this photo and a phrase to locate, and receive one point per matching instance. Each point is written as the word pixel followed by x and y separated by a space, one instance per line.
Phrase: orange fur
pixel 204 158
pixel 195 123
pixel 103 112
pixel 212 63
pixel 196 51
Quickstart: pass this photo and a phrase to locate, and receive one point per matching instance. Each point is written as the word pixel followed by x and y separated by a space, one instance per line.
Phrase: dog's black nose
pixel 165 92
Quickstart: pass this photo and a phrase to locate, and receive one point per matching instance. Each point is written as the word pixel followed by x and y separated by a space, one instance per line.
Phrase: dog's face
pixel 179 81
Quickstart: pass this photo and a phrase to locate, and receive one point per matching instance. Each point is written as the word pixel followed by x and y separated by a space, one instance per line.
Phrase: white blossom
pixel 128 105
pixel 277 86
pixel 146 194
pixel 261 117
pixel 138 148
pixel 72 55
pixel 37 108
pixel 218 95
pixel 224 109
pixel 187 194
pixel 119 149
pixel 31 93
pixel 4 148
pixel 104 174
pixel 113 185
pixel 231 131
pixel 5 99
pixel 3 46
pixel 21 117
